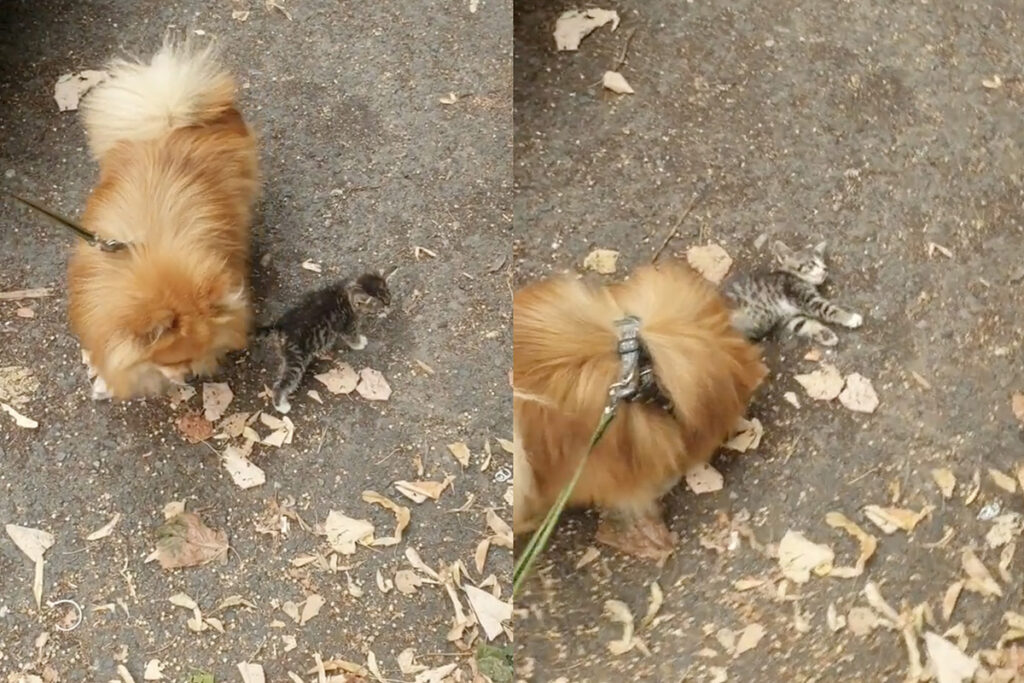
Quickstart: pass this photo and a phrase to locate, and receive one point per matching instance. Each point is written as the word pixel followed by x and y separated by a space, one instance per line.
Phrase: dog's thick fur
pixel 178 180
pixel 565 360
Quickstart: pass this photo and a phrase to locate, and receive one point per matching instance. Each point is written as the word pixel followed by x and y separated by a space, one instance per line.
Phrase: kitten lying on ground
pixel 315 324
pixel 789 296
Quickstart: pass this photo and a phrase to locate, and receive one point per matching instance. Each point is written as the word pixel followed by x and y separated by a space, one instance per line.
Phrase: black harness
pixel 637 381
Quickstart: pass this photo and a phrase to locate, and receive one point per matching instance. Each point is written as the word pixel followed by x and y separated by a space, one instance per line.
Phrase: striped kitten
pixel 788 296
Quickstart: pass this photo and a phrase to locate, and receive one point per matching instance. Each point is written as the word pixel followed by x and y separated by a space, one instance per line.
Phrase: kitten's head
pixel 370 295
pixel 807 264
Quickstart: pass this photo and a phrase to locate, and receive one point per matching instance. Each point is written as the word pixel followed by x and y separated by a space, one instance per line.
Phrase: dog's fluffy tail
pixel 180 86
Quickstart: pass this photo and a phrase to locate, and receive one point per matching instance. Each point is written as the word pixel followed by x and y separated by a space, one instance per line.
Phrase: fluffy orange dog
pixel 565 360
pixel 178 180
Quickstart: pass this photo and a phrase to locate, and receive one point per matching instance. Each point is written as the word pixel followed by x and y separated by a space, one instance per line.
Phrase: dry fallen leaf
pixel 1003 481
pixel 619 613
pixel 216 398
pixel 575 25
pixel 892 519
pixel 312 266
pixel 979 580
pixel 704 479
pixel 314 603
pixel 194 427
pixel 798 557
pixel 70 88
pixel 868 544
pixel 341 379
pixel 1005 528
pixel 402 516
pixel 588 556
pixel 344 532
pixel 105 530
pixel 252 673
pixel 372 385
pixel 19 419
pixel 460 451
pixel 490 611
pixel 244 473
pixel 34 543
pixel 993 83
pixel 950 598
pixel 862 621
pixel 615 82
pixel 945 480
pixel 858 394
pixel 154 671
pixel 748 638
pixel 407 581
pixel 437 675
pixel 836 622
pixel 407 662
pixel 948 662
pixel 1017 403
pixel 711 261
pixel 185 541
pixel 746 435
pixel 654 606
pixel 419 491
pixel 603 261
pixel 17 384
pixel 823 384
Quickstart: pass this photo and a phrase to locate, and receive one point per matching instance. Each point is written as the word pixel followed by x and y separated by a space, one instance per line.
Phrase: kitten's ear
pixel 819 248
pixel 780 250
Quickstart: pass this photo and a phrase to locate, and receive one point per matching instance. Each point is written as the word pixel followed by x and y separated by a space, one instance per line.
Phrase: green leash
pixel 91 239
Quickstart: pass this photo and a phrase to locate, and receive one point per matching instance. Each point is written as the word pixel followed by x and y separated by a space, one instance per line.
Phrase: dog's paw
pixel 100 390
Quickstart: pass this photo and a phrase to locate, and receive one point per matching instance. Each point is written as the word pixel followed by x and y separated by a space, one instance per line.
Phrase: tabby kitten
pixel 315 324
pixel 789 296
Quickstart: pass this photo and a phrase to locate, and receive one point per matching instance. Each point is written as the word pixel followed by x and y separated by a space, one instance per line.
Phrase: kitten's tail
pixel 180 86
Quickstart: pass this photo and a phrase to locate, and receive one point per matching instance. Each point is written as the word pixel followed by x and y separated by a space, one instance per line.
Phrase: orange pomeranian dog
pixel 565 360
pixel 178 181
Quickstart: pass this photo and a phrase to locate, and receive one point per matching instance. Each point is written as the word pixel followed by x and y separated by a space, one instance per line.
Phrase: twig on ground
pixel 675 228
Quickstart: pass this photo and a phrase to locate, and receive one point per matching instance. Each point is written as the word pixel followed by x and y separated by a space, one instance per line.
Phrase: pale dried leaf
pixel 892 519
pixel 372 385
pixel 862 621
pixel 615 82
pixel 975 488
pixel 746 435
pixel 798 557
pixel 407 662
pixel 748 638
pixel 70 88
pixel 506 445
pixel 858 394
pixel 19 419
pixel 183 600
pixel 836 622
pixel 344 532
pixel 868 544
pixel 106 529
pixel 154 671
pixel 575 25
pixel 402 517
pixel 243 471
pixel 315 395
pixel 704 478
pixel 1005 528
pixel 460 451
pixel 312 266
pixel 407 581
pixel 1003 481
pixel 945 480
pixel 1017 403
pixel 490 611
pixel 823 384
pixel 17 384
pixel 480 556
pixel 654 606
pixel 603 261
pixel 948 662
pixel 384 585
pixel 437 675
pixel 252 673
pixel 589 555
pixel 417 562
pixel 233 426
pixel 419 491
pixel 949 599
pixel 216 398
pixel 979 579
pixel 314 603
pixel 341 379
pixel 124 673
pixel 993 83
pixel 185 541
pixel 194 427
pixel 710 260
pixel 619 613
pixel 33 542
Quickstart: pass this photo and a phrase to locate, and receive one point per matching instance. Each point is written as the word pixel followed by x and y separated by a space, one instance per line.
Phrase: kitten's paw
pixel 854 320
pixel 826 337
pixel 359 344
